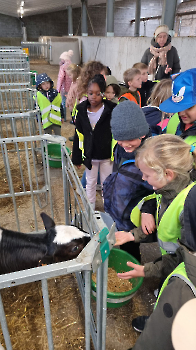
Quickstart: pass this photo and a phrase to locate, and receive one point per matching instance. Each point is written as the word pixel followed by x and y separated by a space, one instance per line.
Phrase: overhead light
pixel 21 10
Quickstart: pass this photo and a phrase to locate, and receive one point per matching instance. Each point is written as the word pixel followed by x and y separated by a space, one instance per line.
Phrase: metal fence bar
pixel 4 326
pixel 87 306
pixel 47 313
pixel 80 212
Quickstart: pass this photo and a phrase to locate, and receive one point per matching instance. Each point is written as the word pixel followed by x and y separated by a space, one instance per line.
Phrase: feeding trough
pixel 118 261
pixel 54 154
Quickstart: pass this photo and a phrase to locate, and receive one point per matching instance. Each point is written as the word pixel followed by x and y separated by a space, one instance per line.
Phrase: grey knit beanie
pixel 128 122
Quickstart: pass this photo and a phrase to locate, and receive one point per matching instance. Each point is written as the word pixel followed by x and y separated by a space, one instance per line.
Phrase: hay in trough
pixel 115 284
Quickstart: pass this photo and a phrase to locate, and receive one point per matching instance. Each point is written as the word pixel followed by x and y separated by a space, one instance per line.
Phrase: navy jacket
pixel 124 188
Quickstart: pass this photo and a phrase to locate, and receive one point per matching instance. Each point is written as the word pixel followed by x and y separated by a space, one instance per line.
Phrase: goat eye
pixel 74 248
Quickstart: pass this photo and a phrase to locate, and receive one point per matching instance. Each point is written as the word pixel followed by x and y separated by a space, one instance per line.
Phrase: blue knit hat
pixel 183 92
pixel 128 122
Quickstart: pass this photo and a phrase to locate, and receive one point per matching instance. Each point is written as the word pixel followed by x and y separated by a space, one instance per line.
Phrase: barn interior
pixel 34 22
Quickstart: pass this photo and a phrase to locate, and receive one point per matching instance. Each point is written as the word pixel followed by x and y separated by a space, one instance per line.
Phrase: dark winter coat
pixel 124 188
pixel 157 332
pixel 145 91
pixel 173 60
pixel 97 142
pixel 153 117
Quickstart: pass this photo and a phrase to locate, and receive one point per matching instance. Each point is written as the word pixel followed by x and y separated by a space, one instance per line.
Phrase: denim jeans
pixel 64 106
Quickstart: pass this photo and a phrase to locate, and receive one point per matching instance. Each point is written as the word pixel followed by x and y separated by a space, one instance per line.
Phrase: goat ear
pixel 48 222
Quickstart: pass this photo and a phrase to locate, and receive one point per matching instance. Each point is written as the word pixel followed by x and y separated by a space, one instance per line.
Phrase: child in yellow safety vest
pixel 167 164
pixel 50 103
pixel 183 104
pixel 178 290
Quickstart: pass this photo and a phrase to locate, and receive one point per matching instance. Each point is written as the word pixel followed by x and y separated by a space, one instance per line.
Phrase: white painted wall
pixel 120 53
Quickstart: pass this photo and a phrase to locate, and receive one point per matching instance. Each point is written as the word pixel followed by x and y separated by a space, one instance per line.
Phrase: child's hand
pixel 138 271
pixel 147 223
pixel 123 237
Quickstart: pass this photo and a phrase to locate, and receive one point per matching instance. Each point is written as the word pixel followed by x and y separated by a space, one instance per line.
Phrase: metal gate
pixel 18 115
pixel 77 210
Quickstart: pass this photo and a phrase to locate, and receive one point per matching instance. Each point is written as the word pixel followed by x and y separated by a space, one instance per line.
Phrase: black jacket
pixel 145 91
pixel 97 142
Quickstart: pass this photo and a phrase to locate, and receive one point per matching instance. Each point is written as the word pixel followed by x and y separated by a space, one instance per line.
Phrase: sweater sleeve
pixel 157 331
pixel 162 267
pixel 176 63
pixel 61 77
pixel 145 57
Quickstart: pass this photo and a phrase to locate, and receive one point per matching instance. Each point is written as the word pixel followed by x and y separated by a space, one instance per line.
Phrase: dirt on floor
pixel 24 304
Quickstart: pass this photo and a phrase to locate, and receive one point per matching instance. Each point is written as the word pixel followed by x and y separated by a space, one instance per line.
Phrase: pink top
pixel 63 81
pixel 72 95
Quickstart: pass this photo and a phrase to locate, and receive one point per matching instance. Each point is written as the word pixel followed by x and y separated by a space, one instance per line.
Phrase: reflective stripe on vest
pixel 179 272
pixel 113 144
pixel 81 142
pixel 50 111
pixel 169 227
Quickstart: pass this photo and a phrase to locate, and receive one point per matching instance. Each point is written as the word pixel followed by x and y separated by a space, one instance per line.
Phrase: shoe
pixel 139 322
pixel 71 138
pixel 98 187
pixel 71 122
pixel 156 293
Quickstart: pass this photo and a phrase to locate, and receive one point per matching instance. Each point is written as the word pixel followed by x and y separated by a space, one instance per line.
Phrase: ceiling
pixel 34 7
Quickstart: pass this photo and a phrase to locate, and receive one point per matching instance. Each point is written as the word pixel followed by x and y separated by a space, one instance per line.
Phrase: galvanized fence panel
pixel 17 100
pixel 25 176
pixel 93 257
pixel 37 50
pixel 10 48
pixel 20 64
pixel 18 113
pixel 14 79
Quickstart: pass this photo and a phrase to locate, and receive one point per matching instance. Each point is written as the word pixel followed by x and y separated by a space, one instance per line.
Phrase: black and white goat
pixel 20 251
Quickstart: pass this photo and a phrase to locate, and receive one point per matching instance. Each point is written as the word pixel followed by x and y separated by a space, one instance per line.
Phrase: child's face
pixel 144 75
pixel 45 85
pixel 130 145
pixel 151 176
pixel 109 92
pixel 189 115
pixel 95 96
pixel 135 83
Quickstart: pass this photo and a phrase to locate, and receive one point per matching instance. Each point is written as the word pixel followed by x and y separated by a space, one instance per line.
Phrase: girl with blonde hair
pixel 73 71
pixel 167 164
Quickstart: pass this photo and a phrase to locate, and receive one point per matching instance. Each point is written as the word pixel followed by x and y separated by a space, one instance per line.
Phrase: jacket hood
pixel 110 79
pixel 153 115
pixel 43 77
pixel 155 44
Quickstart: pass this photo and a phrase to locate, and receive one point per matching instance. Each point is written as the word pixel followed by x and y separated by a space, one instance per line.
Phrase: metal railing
pixel 37 50
pixel 15 79
pixel 18 113
pixel 94 256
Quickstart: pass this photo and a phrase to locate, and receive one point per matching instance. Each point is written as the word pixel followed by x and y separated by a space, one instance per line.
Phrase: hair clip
pixel 192 149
